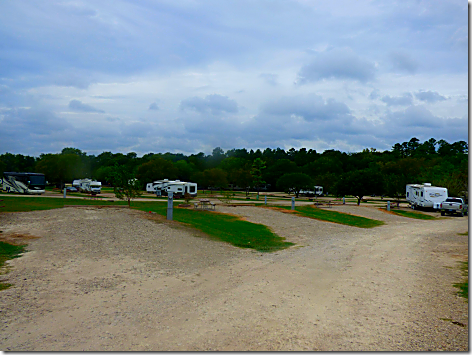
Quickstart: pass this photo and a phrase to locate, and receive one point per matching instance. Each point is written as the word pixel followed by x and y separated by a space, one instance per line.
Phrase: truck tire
pixel 443 213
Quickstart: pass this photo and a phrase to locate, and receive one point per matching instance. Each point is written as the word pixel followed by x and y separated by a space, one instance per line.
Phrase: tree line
pixel 368 172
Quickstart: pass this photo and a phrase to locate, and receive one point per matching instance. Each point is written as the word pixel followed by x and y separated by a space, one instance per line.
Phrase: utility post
pixel 170 205
pixel 293 203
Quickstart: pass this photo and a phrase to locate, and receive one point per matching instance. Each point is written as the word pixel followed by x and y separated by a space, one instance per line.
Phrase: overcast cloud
pixel 189 76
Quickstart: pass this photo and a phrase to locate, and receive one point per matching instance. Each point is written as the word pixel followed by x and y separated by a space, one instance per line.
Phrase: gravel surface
pixel 101 279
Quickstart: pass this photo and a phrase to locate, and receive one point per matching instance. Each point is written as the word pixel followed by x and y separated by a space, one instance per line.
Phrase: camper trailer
pixel 425 195
pixel 157 186
pixel 180 188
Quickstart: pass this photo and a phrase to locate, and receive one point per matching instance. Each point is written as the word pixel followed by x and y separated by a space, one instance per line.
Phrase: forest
pixel 380 172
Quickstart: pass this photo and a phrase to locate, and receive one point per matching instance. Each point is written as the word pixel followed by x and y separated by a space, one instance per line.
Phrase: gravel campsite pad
pixel 99 279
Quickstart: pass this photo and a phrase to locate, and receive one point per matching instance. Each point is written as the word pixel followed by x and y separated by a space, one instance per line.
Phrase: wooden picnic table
pixel 205 204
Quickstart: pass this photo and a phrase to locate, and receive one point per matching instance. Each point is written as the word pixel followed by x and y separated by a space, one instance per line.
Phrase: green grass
pixel 7 252
pixel 224 227
pixel 218 226
pixel 34 203
pixel 411 214
pixel 464 286
pixel 335 217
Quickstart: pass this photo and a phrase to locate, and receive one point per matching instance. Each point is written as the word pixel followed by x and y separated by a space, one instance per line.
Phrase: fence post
pixel 170 205
pixel 293 203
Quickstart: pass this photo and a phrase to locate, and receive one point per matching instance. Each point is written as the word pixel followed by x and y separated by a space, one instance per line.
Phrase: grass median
pixel 334 217
pixel 411 214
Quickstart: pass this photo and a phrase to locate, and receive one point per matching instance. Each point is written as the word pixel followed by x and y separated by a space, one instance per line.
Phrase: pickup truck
pixel 454 205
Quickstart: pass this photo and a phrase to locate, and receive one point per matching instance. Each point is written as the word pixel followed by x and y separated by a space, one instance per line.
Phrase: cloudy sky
pixel 189 75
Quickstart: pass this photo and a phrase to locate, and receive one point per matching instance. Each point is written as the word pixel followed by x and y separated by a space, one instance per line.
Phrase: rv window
pixel 407 194
pixel 192 189
pixel 421 193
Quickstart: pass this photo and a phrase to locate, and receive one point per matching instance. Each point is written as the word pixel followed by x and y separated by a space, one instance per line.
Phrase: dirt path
pixel 112 279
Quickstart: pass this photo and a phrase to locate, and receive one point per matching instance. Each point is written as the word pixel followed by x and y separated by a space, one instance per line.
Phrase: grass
pixel 464 285
pixel 335 217
pixel 224 227
pixel 7 252
pixel 411 214
pixel 30 203
pixel 218 226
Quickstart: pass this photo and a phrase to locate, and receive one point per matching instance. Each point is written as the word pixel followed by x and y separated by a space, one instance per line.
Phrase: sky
pixel 187 76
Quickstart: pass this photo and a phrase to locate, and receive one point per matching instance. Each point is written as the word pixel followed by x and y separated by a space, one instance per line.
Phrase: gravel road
pixel 111 279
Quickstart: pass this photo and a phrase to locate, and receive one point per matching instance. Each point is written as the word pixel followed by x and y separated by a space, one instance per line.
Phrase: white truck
pixel 454 205
pixel 425 195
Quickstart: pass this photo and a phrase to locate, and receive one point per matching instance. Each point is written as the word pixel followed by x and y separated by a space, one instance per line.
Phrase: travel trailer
pixel 156 186
pixel 179 188
pixel 24 183
pixel 425 195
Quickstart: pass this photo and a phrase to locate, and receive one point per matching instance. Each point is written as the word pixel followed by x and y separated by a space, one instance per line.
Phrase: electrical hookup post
pixel 170 205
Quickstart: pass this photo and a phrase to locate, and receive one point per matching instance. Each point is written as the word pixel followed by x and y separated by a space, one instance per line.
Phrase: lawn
pixel 412 214
pixel 335 217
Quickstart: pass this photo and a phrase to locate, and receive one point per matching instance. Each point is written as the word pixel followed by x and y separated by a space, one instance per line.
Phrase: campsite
pixel 100 276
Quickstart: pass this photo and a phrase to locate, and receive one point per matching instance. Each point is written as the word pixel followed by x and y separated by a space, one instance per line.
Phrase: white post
pixel 293 203
pixel 265 200
pixel 65 192
pixel 170 205
pixel 388 205
pixel 344 200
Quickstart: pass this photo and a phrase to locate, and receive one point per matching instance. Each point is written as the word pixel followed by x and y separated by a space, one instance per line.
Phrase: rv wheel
pixel 412 207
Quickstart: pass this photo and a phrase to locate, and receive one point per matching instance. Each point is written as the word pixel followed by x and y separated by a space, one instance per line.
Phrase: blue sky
pixel 188 76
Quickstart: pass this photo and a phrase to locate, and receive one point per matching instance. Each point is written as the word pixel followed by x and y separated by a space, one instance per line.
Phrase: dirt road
pixel 115 279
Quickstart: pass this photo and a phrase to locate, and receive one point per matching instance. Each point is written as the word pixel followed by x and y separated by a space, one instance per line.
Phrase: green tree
pixel 125 185
pixel 360 183
pixel 157 169
pixel 257 167
pixel 295 182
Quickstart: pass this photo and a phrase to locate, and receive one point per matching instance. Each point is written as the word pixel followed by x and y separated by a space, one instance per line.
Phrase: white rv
pixel 76 184
pixel 180 188
pixel 156 186
pixel 317 191
pixel 425 195
pixel 90 186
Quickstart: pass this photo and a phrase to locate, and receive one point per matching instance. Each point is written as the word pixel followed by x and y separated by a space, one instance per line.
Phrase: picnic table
pixel 205 204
